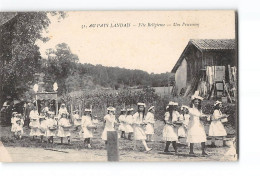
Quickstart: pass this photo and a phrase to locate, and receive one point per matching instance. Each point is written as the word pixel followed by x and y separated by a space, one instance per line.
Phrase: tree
pixel 21 54
pixel 60 65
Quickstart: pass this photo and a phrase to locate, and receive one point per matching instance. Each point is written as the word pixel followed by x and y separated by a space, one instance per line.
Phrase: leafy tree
pixel 21 56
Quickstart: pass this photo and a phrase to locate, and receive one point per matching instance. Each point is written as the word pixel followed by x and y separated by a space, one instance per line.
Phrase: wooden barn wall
pixel 194 62
pixel 220 58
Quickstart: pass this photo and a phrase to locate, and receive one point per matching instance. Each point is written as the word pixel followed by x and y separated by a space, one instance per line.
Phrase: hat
pixel 217 102
pixel 88 110
pixel 196 96
pixel 63 104
pixel 110 108
pixel 167 107
pixel 171 103
pixel 141 104
pixel 14 113
pixel 130 109
pixel 183 106
pixel 76 110
pixel 152 107
pixel 123 110
pixel 19 115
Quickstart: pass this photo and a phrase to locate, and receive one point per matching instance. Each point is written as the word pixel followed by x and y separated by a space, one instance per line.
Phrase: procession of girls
pixel 186 123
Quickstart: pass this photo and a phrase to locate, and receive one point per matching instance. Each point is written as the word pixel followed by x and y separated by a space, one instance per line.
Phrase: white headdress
pixel 130 109
pixel 171 103
pixel 152 107
pixel 141 104
pixel 110 108
pixel 217 102
pixel 183 106
pixel 196 96
pixel 88 110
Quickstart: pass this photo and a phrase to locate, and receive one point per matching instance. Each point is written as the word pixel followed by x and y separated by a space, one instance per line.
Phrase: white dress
pixel 109 126
pixel 76 120
pixel 169 131
pixel 13 124
pixel 139 133
pixel 34 123
pixel 41 131
pixel 182 130
pixel 196 132
pixel 85 132
pixel 18 128
pixel 50 123
pixel 122 125
pixel 129 123
pixel 216 127
pixel 63 132
pixel 149 119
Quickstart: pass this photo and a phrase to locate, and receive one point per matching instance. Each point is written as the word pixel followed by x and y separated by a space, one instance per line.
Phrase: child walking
pixel 170 129
pixel 196 132
pixel 184 118
pixel 216 128
pixel 149 120
pixel 138 121
pixel 64 126
pixel 129 123
pixel 42 126
pixel 122 125
pixel 13 122
pixel 86 127
pixel 52 126
pixel 76 120
pixel 18 126
pixel 109 121
pixel 34 122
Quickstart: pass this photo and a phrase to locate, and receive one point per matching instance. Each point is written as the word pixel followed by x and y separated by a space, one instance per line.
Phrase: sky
pixel 140 45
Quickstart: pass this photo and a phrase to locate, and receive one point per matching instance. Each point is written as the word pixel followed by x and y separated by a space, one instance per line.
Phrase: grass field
pixel 18 149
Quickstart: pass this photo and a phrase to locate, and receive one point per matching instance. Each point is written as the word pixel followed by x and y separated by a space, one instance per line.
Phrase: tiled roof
pixel 6 16
pixel 214 44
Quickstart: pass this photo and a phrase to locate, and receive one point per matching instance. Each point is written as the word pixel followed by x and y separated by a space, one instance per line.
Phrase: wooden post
pixel 112 146
pixel 56 104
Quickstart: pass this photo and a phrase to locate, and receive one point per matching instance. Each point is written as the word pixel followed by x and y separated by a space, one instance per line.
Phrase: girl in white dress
pixel 76 120
pixel 86 127
pixel 170 129
pixel 184 118
pixel 129 123
pixel 18 126
pixel 196 132
pixel 138 122
pixel 42 126
pixel 34 122
pixel 122 125
pixel 13 118
pixel 51 127
pixel 149 120
pixel 64 126
pixel 109 121
pixel 62 110
pixel 216 128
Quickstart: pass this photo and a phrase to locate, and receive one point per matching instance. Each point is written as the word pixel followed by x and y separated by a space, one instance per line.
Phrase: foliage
pixel 20 54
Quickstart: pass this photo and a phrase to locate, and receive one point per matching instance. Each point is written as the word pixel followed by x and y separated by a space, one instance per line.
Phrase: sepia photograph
pixel 119 86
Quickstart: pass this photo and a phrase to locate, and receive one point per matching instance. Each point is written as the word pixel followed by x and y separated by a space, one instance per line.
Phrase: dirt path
pixel 23 154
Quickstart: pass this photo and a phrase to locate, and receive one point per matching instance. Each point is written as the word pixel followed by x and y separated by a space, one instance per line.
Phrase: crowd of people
pixel 186 122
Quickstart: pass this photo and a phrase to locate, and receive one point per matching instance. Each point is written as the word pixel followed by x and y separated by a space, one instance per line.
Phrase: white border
pixel 249 63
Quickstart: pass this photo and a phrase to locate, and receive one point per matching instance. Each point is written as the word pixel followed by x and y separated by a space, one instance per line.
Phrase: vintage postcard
pixel 80 86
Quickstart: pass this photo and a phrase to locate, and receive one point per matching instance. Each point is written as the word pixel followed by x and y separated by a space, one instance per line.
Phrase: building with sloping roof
pixel 198 55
